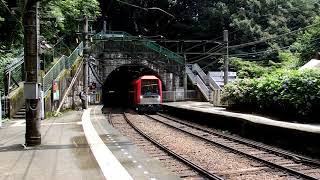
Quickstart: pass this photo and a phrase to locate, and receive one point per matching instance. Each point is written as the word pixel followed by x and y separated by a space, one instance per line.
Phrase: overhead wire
pixel 94 74
pixel 210 63
pixel 260 52
pixel 275 37
pixel 269 50
pixel 201 57
pixel 146 9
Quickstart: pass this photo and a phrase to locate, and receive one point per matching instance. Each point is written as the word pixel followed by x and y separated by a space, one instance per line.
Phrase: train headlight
pixel 141 97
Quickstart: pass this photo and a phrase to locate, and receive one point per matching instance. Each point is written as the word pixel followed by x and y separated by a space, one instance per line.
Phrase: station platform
pixel 300 137
pixel 75 145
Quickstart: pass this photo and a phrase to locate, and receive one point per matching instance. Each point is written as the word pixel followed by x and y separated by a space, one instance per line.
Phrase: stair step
pixel 18 117
pixel 21 113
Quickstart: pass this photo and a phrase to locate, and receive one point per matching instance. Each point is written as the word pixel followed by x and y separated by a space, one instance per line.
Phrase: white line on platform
pixel 109 165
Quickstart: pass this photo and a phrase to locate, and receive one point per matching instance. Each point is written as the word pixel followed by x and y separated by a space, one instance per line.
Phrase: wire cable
pixel 146 9
pixel 275 37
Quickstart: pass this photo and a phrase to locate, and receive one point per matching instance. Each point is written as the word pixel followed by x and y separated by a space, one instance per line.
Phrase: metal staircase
pixel 207 83
pixel 199 79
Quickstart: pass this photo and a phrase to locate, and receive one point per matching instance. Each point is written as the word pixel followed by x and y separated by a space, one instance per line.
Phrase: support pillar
pixel 169 81
pixel 185 78
pixel 31 63
pixel 104 26
pixel 176 84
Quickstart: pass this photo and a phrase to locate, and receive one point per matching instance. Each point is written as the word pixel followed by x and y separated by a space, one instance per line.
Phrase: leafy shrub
pixel 284 91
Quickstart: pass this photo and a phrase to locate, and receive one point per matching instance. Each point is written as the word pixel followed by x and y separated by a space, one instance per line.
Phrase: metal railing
pixel 62 64
pixel 191 75
pixel 52 74
pixel 172 96
pixel 203 88
pixel 203 76
pixel 213 84
pixel 13 74
pixel 108 34
pixel 164 51
pixel 74 55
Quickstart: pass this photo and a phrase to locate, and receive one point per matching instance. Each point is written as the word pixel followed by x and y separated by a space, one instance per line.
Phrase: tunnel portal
pixel 115 90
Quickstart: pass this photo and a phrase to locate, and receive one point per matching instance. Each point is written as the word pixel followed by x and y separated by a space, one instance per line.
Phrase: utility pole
pixel 31 62
pixel 86 57
pixel 226 57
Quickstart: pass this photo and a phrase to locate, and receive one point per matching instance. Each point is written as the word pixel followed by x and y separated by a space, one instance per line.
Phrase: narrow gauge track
pixel 177 164
pixel 293 164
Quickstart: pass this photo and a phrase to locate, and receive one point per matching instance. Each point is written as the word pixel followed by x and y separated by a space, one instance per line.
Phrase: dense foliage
pixel 57 18
pixel 307 42
pixel 248 20
pixel 287 92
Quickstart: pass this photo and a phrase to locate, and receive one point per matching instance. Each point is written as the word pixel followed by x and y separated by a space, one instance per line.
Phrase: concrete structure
pixel 312 64
pixel 301 137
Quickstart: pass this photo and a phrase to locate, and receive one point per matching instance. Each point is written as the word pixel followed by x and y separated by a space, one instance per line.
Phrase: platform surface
pixel 206 107
pixel 66 153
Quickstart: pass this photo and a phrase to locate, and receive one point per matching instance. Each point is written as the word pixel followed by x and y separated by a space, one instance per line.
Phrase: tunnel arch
pixel 115 90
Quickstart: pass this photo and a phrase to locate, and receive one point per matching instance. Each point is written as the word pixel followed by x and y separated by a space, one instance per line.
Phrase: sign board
pixel 55 91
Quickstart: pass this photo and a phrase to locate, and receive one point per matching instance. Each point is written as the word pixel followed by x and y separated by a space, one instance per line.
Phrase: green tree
pixel 307 42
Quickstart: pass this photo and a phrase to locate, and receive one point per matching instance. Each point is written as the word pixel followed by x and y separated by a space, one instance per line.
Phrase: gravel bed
pixel 174 166
pixel 207 156
pixel 311 170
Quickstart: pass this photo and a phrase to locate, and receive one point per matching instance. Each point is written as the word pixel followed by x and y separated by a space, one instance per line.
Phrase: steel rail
pixel 184 160
pixel 268 163
pixel 294 157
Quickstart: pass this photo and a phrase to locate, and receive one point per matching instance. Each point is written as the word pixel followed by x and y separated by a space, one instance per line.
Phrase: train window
pixel 149 87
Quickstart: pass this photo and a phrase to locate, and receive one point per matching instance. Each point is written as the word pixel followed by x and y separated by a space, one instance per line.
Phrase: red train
pixel 147 94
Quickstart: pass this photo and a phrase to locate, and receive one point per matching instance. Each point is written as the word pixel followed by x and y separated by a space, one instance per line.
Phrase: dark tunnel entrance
pixel 115 90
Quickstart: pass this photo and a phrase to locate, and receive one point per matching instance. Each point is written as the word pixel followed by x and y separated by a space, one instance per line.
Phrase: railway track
pixel 179 165
pixel 298 166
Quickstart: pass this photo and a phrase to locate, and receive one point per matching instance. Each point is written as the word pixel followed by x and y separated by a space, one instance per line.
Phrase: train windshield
pixel 149 87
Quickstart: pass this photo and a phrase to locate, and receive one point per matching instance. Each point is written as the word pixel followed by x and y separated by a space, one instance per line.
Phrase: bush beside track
pixel 291 95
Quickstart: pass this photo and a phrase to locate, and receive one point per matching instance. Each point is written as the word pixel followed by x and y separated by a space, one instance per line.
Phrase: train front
pixel 148 93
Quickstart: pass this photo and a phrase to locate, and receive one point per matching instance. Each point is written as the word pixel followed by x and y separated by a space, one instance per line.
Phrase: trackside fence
pixel 172 96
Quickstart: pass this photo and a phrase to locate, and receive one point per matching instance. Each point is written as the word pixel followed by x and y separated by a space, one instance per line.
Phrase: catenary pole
pixel 86 58
pixel 31 62
pixel 226 57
